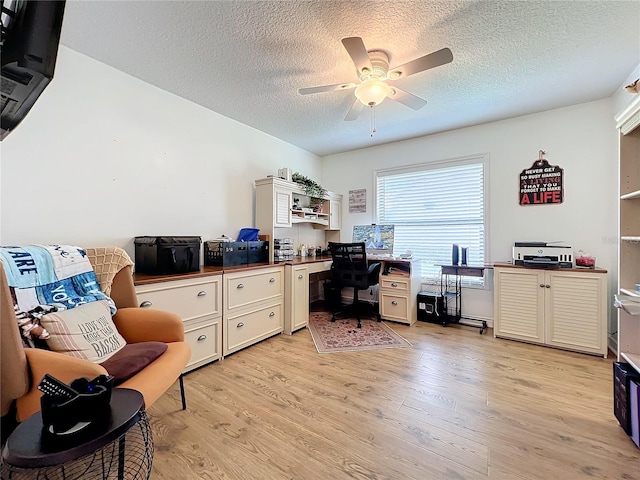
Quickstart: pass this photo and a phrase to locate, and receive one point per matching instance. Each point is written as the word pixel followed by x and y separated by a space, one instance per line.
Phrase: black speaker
pixel 465 251
pixel 455 254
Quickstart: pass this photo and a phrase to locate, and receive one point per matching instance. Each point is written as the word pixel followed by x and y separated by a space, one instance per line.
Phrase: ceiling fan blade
pixel 408 99
pixel 326 88
pixel 432 60
pixel 355 111
pixel 358 53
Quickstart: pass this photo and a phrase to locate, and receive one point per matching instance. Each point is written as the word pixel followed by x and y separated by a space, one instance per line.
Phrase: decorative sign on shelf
pixel 541 183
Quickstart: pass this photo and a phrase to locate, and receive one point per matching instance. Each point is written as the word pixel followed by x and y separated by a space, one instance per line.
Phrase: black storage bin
pixel 431 307
pixel 623 373
pixel 166 255
pixel 258 252
pixel 226 254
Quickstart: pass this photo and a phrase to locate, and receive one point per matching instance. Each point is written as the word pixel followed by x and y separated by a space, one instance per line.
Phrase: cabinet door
pixel 576 311
pixel 282 207
pixel 297 298
pixel 519 304
pixel 335 215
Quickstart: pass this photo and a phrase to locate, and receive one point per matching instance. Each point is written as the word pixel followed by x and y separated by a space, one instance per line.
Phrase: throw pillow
pixel 128 361
pixel 86 331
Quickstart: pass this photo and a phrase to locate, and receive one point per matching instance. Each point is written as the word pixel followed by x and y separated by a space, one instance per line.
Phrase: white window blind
pixel 434 206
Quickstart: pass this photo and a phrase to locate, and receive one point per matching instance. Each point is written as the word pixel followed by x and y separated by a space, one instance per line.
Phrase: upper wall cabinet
pixel 282 204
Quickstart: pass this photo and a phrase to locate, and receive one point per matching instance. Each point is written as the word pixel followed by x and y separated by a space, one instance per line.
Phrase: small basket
pixel 225 254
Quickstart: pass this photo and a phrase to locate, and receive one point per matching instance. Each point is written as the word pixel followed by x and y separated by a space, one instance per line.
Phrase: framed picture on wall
pixel 358 201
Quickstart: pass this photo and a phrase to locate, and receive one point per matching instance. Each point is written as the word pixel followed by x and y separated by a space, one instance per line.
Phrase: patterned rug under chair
pixel 344 336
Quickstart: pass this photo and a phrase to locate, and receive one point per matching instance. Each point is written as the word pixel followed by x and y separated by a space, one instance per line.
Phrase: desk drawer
pixel 204 338
pixel 249 328
pixel 247 288
pixel 398 284
pixel 394 307
pixel 189 298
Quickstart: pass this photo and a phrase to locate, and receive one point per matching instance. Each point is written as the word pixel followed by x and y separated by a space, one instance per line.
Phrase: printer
pixel 541 255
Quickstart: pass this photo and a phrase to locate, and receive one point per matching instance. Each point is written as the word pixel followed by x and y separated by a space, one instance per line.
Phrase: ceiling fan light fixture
pixel 372 92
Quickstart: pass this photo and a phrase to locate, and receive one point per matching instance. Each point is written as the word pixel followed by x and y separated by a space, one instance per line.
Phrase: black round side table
pixel 121 448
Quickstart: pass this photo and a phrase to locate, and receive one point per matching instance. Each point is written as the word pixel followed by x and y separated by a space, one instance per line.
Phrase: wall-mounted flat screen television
pixel 28 49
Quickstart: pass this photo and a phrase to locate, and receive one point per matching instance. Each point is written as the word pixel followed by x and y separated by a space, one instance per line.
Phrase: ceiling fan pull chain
pixel 373 120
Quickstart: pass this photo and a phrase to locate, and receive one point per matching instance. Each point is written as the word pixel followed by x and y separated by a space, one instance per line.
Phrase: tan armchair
pixel 23 368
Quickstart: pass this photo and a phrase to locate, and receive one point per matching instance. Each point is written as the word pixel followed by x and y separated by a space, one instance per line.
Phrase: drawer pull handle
pixel 394 302
pixel 240 325
pixel 146 304
pixel 394 284
pixel 272 314
pixel 542 285
pixel 548 286
pixel 202 337
pixel 300 277
pixel 202 293
pixel 240 285
pixel 271 280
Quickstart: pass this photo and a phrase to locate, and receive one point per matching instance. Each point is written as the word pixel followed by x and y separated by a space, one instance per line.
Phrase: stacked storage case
pixel 229 254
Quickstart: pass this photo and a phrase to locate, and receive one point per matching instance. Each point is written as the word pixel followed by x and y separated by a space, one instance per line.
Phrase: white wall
pixel 581 139
pixel 103 157
pixel 622 98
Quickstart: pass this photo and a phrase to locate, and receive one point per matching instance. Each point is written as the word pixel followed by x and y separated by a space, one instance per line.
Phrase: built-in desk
pixel 398 288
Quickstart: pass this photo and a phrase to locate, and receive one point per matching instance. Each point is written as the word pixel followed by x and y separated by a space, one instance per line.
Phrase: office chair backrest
pixel 350 268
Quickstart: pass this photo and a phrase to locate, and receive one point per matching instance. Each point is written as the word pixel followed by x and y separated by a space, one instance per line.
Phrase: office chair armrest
pixel 374 273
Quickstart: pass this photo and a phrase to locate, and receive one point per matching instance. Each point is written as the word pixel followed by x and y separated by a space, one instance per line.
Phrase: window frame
pixel 479 158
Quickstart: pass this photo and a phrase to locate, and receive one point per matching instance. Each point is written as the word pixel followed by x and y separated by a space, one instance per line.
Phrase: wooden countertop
pixel 574 269
pixel 146 279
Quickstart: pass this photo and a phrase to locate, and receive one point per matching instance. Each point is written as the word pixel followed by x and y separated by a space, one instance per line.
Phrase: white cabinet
pixel 252 306
pixel 398 290
pixel 334 205
pixel 273 203
pixel 275 210
pixel 198 301
pixel 564 308
pixel 296 310
pixel 628 339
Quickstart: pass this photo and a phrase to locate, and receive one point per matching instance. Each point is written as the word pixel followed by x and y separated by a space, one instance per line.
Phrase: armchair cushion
pixel 132 358
pixel 86 331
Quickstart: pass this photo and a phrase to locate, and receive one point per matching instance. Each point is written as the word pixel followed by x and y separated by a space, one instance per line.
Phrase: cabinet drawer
pixel 249 328
pixel 247 288
pixel 396 284
pixel 190 298
pixel 204 338
pixel 394 307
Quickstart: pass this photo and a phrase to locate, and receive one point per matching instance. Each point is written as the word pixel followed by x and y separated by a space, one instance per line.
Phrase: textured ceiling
pixel 248 59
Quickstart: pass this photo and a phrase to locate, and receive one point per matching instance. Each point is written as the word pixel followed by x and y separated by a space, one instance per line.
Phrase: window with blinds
pixel 434 206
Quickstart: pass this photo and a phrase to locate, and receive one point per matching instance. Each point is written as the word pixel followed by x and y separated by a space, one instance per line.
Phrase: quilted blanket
pixel 48 278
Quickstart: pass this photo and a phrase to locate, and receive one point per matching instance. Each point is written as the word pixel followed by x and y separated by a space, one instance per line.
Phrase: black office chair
pixel 350 269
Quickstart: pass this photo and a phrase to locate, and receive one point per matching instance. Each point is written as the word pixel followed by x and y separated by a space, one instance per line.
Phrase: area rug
pixel 343 335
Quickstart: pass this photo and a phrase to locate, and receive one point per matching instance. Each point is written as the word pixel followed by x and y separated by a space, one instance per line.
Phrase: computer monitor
pixel 378 239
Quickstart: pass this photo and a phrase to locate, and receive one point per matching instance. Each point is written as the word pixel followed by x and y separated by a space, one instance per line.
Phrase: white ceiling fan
pixel 374 72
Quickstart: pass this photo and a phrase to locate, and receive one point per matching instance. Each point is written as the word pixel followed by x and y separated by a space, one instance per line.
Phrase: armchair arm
pixel 64 367
pixel 148 325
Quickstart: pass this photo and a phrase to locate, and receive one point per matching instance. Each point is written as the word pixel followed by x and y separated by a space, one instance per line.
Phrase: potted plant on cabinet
pixel 316 192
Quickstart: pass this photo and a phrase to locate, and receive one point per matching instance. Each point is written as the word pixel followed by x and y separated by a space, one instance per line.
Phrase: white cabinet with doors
pixel 296 305
pixel 563 308
pixel 283 204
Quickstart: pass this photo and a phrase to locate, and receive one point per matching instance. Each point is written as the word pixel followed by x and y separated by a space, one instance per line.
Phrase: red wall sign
pixel 542 183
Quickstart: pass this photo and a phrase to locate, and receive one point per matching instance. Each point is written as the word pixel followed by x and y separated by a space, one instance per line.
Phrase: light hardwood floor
pixel 457 405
